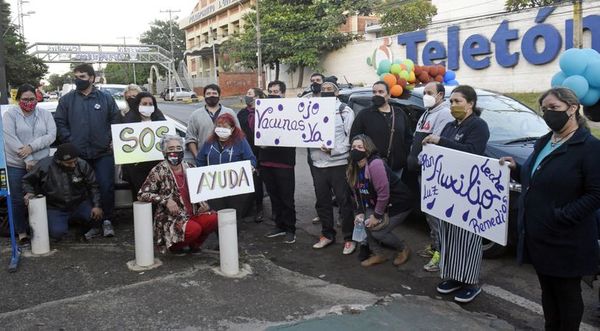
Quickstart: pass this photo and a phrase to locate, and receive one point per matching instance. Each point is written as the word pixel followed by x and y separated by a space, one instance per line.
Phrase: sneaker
pixel 107 229
pixel 373 260
pixel 290 238
pixel 428 251
pixel 363 252
pixel 467 294
pixel 323 242
pixel 92 233
pixel 402 256
pixel 434 264
pixel 275 233
pixel 449 286
pixel 258 218
pixel 316 220
pixel 349 247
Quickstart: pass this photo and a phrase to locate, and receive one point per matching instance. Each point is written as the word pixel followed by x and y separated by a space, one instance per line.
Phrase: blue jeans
pixel 15 177
pixel 58 220
pixel 104 168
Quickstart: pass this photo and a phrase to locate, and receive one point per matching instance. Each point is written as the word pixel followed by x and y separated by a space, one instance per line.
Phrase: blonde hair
pixel 132 87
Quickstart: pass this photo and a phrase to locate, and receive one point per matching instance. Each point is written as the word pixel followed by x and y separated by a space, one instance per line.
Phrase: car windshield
pixel 116 92
pixel 510 120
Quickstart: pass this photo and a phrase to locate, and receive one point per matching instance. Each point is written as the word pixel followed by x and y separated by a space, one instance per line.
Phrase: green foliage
pixel 56 81
pixel 159 34
pixel 514 5
pixel 122 73
pixel 404 16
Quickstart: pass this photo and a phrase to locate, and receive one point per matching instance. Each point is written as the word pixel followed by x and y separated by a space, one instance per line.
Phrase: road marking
pixel 523 302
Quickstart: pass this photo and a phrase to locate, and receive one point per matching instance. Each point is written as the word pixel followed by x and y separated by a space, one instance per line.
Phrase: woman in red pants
pixel 179 225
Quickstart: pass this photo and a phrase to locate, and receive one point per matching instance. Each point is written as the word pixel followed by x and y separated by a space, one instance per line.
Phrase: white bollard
pixel 38 221
pixel 228 242
pixel 142 223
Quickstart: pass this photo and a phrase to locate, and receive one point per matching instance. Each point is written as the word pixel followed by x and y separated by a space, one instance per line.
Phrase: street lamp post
pixel 172 65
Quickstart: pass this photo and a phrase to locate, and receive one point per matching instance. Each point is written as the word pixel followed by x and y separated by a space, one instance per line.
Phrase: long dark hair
pixel 24 88
pixel 470 95
pixel 353 168
pixel 157 115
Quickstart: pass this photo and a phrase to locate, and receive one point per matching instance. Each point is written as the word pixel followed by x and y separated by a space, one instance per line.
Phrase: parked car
pixel 514 128
pixel 178 93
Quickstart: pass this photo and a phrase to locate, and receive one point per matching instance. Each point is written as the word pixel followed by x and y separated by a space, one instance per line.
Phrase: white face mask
pixel 223 133
pixel 146 110
pixel 428 101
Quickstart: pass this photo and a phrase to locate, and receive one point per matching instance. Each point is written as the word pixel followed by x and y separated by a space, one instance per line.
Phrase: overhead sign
pixel 295 122
pixel 139 142
pixel 467 190
pixel 217 181
pixel 206 11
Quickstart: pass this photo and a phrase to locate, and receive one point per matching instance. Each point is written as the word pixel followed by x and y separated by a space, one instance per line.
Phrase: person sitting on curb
pixel 70 187
pixel 179 225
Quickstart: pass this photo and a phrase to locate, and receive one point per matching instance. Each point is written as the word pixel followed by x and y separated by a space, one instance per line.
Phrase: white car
pixel 179 93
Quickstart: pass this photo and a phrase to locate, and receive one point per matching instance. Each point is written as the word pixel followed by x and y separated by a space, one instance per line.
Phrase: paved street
pixel 290 287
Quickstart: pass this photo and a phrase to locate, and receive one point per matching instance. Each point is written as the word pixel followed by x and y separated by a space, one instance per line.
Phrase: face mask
pixel 82 84
pixel 378 100
pixel 249 100
pixel 556 120
pixel 211 101
pixel 27 106
pixel 458 112
pixel 174 158
pixel 130 102
pixel 146 110
pixel 315 88
pixel 428 101
pixel 357 155
pixel 223 133
pixel 272 96
pixel 327 94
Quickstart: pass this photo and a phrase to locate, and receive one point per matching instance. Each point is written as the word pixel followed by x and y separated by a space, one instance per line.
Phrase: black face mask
pixel 315 88
pixel 249 100
pixel 357 155
pixel 131 102
pixel 174 158
pixel 378 100
pixel 327 94
pixel 211 101
pixel 272 96
pixel 556 120
pixel 82 84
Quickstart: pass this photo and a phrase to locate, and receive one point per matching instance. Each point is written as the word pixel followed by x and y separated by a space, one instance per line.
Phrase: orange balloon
pixel 396 90
pixel 390 80
pixel 441 70
pixel 433 71
pixel 439 78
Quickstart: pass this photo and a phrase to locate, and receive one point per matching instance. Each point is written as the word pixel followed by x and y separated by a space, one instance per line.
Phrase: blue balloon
pixel 558 79
pixel 397 61
pixel 578 84
pixel 591 98
pixel 574 61
pixel 452 82
pixel 384 66
pixel 449 76
pixel 592 73
pixel 592 53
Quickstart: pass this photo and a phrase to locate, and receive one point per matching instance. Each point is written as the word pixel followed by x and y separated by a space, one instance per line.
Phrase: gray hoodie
pixel 341 147
pixel 201 126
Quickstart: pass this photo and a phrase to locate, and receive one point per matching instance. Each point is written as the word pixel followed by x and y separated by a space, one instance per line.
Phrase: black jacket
pixel 64 190
pixel 249 132
pixel 135 117
pixel 557 227
pixel 470 136
pixel 373 124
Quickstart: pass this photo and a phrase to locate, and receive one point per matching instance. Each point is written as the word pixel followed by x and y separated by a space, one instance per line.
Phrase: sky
pixel 107 21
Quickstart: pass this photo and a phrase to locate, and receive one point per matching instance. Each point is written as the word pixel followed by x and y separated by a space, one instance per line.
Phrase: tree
pixel 514 5
pixel 404 16
pixel 159 34
pixel 21 67
pixel 122 73
pixel 56 81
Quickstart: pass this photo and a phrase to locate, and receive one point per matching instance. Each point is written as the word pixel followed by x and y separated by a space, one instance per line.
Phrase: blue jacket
pixel 85 121
pixel 212 153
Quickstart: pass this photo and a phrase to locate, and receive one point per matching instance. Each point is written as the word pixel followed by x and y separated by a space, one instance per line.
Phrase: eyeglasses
pixel 28 99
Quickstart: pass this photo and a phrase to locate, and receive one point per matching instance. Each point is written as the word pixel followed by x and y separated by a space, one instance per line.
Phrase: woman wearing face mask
pixel 561 191
pixel 247 118
pixel 227 144
pixel 129 94
pixel 381 201
pixel 461 250
pixel 28 133
pixel 143 109
pixel 179 225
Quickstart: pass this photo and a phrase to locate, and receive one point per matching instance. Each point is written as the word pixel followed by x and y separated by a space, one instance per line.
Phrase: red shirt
pixel 184 192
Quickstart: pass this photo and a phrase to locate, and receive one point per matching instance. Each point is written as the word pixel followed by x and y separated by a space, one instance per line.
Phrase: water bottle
pixel 359 234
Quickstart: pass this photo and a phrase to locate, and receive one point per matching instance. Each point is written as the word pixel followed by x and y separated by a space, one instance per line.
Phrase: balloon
pixel 410 65
pixel 397 78
pixel 592 72
pixel 558 79
pixel 578 84
pixel 397 61
pixel 384 66
pixel 439 78
pixel 441 70
pixel 573 61
pixel 395 68
pixel 410 87
pixel 402 82
pixel 592 53
pixel 592 112
pixel 382 76
pixel 449 75
pixel 452 82
pixel 433 71
pixel 404 74
pixel 411 77
pixel 591 98
pixel 403 66
pixel 389 79
pixel 417 70
pixel 424 77
pixel 396 90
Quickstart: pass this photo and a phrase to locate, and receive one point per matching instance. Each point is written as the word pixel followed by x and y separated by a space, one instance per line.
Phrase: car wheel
pixel 492 250
pixel 194 96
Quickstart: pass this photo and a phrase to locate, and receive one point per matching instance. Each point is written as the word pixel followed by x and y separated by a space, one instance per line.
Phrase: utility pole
pixel 20 15
pixel 3 82
pixel 171 36
pixel 125 50
pixel 258 46
pixel 577 24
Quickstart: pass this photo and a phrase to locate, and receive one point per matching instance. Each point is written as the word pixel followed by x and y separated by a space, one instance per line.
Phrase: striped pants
pixel 461 254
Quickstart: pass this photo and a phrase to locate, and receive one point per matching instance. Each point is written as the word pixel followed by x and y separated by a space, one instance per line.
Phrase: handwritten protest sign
pixel 466 190
pixel 139 142
pixel 219 181
pixel 295 122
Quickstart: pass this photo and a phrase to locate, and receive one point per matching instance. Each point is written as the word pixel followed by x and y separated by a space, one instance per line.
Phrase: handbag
pixel 383 224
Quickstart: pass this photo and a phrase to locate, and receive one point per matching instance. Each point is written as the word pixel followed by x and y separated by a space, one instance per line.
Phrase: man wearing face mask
pixel 83 117
pixel 70 188
pixel 316 82
pixel 202 121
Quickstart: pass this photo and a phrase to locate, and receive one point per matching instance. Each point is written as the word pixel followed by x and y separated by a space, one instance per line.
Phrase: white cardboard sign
pixel 467 190
pixel 220 180
pixel 139 142
pixel 295 122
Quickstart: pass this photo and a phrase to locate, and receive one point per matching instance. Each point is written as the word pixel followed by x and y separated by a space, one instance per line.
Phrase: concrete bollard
pixel 142 223
pixel 38 221
pixel 228 242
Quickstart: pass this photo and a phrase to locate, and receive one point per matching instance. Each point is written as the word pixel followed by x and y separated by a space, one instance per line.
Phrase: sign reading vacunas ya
pixel 139 142
pixel 295 122
pixel 219 181
pixel 469 191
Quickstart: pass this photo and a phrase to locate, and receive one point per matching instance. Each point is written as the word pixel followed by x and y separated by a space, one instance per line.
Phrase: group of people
pixel 371 173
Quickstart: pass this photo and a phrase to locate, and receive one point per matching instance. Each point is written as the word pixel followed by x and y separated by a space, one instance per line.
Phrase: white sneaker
pixel 323 242
pixel 316 220
pixel 92 233
pixel 349 247
pixel 107 229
